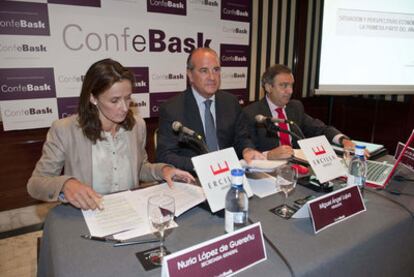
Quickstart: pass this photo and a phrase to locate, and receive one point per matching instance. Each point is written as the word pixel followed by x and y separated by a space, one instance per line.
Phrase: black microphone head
pixel 260 118
pixel 177 126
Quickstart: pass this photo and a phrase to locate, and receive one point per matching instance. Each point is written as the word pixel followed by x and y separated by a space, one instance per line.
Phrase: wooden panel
pixel 19 153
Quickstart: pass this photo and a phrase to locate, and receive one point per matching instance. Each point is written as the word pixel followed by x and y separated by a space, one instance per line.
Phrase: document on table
pixel 263 184
pixel 117 216
pixel 125 213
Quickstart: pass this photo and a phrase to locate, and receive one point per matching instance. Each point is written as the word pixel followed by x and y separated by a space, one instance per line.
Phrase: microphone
pixel 262 119
pixel 274 128
pixel 190 137
pixel 178 127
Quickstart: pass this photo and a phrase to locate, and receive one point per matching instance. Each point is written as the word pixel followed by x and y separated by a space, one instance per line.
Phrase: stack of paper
pixel 125 213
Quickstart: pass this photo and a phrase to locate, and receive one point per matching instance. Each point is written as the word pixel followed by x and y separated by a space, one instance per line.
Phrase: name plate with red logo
pixel 222 256
pixel 213 170
pixel 335 207
pixel 322 158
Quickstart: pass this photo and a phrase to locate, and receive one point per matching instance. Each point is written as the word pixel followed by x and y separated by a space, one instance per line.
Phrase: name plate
pixel 335 207
pixel 213 171
pixel 222 256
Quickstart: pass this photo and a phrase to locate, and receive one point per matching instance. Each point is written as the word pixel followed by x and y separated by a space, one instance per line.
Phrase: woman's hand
pixel 81 196
pixel 170 174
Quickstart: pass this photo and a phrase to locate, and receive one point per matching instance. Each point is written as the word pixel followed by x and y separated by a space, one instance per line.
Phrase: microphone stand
pixel 272 128
pixel 194 143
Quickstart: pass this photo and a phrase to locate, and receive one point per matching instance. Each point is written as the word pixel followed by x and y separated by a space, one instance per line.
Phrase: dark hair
pixel 272 71
pixel 190 65
pixel 99 78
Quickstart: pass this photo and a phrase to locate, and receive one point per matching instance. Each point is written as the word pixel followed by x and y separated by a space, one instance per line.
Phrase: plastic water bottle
pixel 357 171
pixel 237 203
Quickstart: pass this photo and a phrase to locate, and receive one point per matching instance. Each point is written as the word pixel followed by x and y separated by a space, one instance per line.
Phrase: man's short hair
pixel 272 71
pixel 190 65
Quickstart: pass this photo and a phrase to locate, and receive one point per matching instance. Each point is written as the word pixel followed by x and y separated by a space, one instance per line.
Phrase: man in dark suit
pixel 277 81
pixel 212 113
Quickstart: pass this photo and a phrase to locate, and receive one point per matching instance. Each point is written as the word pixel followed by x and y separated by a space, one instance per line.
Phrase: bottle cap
pixel 237 176
pixel 359 150
pixel 237 172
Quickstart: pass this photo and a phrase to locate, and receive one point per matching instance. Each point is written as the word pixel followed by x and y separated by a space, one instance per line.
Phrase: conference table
pixel 377 242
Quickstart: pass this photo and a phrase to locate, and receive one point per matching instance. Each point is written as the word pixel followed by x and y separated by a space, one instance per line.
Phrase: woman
pixel 101 149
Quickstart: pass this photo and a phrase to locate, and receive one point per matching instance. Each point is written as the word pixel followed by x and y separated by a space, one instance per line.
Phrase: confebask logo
pixel 23 48
pixel 235 30
pixel 141 79
pixel 26 83
pixel 178 7
pixel 76 38
pixel 22 18
pixel 28 112
pixel 236 10
pixel 233 55
pixel 208 3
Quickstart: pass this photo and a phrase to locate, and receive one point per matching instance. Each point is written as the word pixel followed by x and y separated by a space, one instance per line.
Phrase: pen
pixel 135 242
pixel 104 239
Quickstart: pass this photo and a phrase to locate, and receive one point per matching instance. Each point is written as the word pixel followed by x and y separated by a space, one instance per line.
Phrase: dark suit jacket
pixel 295 112
pixel 231 127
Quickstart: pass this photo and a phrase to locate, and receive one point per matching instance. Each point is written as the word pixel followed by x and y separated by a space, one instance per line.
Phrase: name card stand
pixel 225 255
pixel 213 170
pixel 332 208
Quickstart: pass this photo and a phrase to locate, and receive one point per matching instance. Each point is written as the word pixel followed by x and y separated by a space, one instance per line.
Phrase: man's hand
pixel 280 152
pixel 250 154
pixel 170 174
pixel 81 196
pixel 347 143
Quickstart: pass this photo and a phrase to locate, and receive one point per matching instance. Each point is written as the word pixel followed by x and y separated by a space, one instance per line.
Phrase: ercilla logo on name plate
pixel 177 7
pixel 22 18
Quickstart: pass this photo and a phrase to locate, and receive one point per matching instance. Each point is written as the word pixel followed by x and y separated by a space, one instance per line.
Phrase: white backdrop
pixel 47 46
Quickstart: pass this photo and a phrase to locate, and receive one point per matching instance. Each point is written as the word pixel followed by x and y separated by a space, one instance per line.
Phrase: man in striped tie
pixel 278 81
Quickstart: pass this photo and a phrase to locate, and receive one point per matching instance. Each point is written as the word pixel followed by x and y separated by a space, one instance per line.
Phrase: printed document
pixel 125 213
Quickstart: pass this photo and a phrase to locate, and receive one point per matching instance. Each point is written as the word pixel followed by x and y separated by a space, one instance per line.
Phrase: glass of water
pixel 161 210
pixel 286 179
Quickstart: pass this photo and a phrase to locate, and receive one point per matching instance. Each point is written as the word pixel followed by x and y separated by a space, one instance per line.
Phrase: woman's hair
pixel 99 78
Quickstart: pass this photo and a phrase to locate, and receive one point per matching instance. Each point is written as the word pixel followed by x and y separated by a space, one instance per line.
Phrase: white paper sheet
pixel 186 196
pixel 118 215
pixel 263 185
pixel 262 165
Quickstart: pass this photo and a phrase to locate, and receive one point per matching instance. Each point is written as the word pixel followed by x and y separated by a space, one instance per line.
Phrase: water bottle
pixel 357 171
pixel 237 203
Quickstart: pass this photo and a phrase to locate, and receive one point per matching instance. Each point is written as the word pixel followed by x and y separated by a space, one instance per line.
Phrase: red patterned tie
pixel 283 137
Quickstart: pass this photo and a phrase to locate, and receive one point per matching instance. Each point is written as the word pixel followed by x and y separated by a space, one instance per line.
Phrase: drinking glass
pixel 286 178
pixel 161 209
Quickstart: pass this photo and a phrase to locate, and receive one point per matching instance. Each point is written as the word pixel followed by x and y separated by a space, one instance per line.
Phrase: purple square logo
pixel 23 18
pixel 156 99
pixel 141 75
pixel 234 55
pixel 177 7
pixel 236 10
pixel 86 3
pixel 27 83
pixel 67 106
